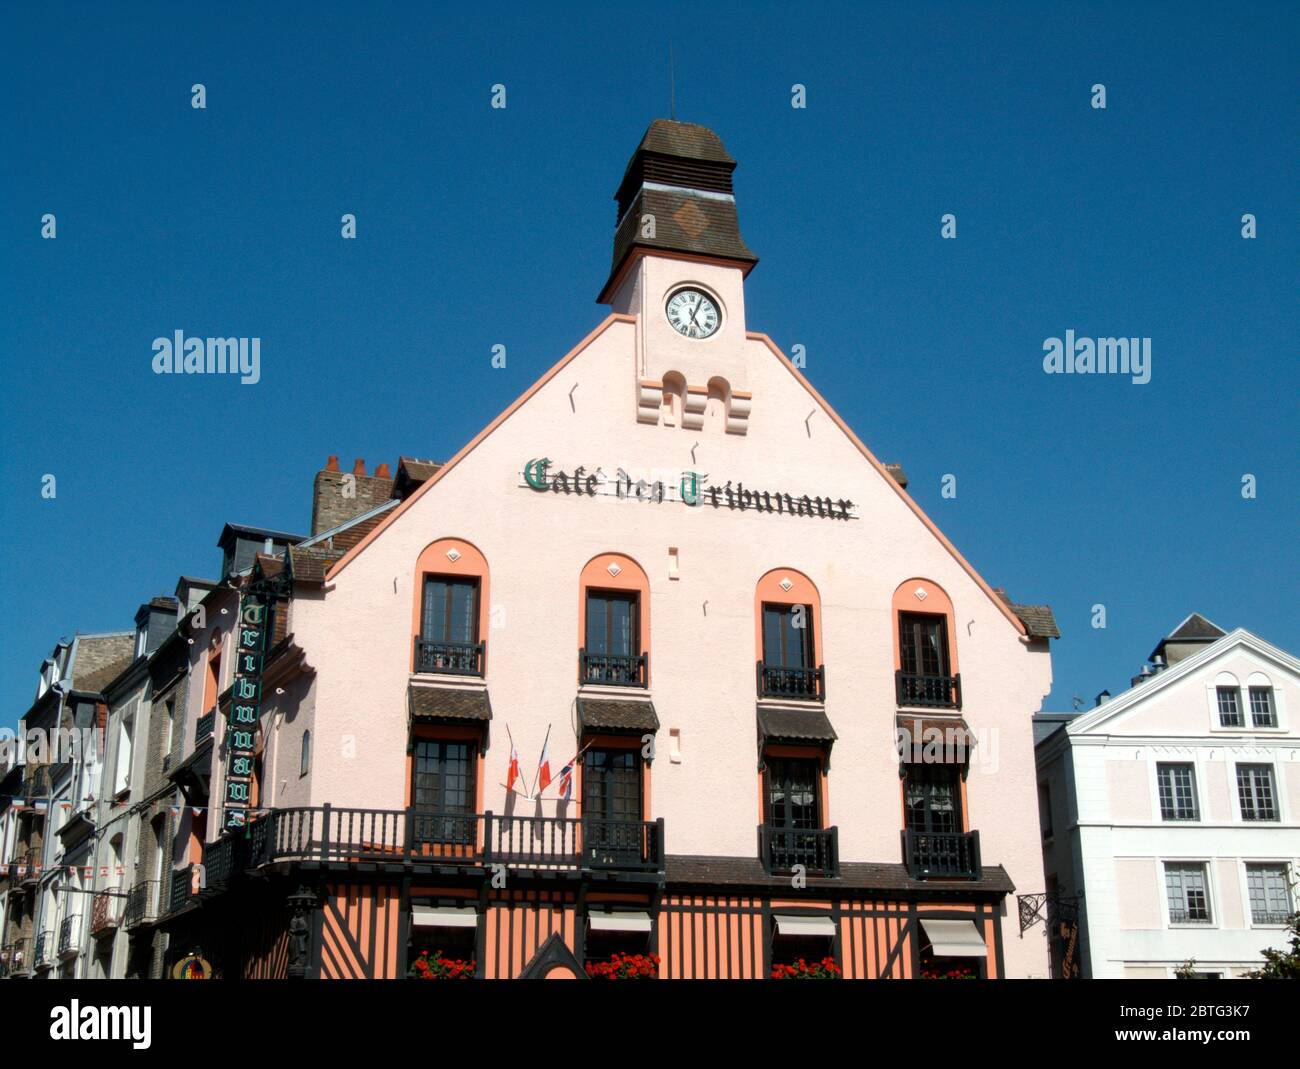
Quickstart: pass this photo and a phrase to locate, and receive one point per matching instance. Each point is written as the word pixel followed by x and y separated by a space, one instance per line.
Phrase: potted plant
pixel 625 967
pixel 826 969
pixel 435 967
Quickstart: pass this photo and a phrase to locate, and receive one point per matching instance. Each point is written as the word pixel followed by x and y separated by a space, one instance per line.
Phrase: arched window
pixel 717 406
pixel 787 610
pixel 450 615
pixel 674 399
pixel 614 623
pixel 925 648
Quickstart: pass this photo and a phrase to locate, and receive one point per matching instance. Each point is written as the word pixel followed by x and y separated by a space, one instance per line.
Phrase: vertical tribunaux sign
pixel 245 709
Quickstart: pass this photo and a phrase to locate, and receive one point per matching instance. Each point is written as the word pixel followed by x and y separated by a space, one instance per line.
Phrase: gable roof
pixel 1085 722
pixel 1195 628
pixel 617 317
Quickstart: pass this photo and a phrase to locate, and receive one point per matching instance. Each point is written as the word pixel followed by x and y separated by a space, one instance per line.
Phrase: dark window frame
pixel 912 648
pixel 610 598
pixel 780 656
pixel 785 767
pixel 935 820
pixel 450 619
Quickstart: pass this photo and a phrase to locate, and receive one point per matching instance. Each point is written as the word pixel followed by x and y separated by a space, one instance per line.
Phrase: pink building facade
pixel 671 560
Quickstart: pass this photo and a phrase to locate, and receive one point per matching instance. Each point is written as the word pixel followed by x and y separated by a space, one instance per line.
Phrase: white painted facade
pixel 1110 839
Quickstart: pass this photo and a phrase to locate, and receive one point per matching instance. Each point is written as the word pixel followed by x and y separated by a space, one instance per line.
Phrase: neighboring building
pixel 129 786
pixel 731 657
pixel 47 908
pixel 1173 808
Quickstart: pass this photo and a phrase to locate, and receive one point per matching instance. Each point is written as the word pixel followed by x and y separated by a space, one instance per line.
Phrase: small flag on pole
pixel 513 773
pixel 566 782
pixel 544 766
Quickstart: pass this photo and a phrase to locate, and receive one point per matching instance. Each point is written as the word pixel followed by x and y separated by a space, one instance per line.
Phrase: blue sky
pixel 481 226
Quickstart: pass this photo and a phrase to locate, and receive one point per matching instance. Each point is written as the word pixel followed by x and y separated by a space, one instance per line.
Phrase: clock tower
pixel 679 266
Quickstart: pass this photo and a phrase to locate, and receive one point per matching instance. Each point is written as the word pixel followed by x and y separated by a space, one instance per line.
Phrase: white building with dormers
pixel 1173 809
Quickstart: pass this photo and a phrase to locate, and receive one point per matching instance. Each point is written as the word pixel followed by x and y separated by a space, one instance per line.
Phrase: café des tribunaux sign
pixel 689 488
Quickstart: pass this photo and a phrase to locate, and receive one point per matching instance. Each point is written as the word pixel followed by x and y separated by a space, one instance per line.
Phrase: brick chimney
pixel 339 496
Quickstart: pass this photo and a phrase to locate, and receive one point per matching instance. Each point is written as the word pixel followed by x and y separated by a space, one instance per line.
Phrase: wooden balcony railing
pixel 105 912
pixel 141 904
pixel 942 855
pixel 613 670
pixel 329 834
pixel 816 849
pixel 930 692
pixel 458 658
pixel 800 682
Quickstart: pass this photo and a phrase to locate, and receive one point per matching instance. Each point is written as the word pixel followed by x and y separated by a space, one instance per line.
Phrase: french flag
pixel 513 773
pixel 544 768
pixel 566 782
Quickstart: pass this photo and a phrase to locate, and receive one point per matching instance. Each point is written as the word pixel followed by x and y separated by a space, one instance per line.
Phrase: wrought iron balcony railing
pixel 1189 916
pixel 457 658
pixel 203 729
pixel 816 849
pixel 942 855
pixel 43 949
pixel 801 682
pixel 328 834
pixel 141 904
pixel 70 935
pixel 930 692
pixel 105 912
pixel 613 669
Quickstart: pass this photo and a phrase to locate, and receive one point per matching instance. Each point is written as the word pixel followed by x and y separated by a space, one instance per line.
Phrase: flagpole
pixel 531 796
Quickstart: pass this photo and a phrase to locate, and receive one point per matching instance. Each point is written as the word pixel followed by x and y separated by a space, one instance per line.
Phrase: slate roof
pixel 671 138
pixel 448 703
pixel 779 724
pixel 309 563
pixel 614 714
pixel 1197 626
pixel 854 875
pixel 1039 620
pixel 99 659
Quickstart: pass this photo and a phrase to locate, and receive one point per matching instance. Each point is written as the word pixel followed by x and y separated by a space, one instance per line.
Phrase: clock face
pixel 693 314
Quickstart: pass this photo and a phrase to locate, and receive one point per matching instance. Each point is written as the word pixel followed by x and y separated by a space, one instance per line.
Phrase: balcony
pixel 141 904
pixel 43 954
pixel 70 936
pixel 179 890
pixel 365 836
pixel 105 913
pixel 613 669
pixel 942 855
pixel 203 729
pixel 816 849
pixel 929 692
pixel 454 658
pixel 799 682
pixel 15 958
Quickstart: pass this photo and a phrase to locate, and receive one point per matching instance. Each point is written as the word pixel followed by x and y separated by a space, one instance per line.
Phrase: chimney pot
pixel 333 464
pixel 359 466
pixel 381 472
